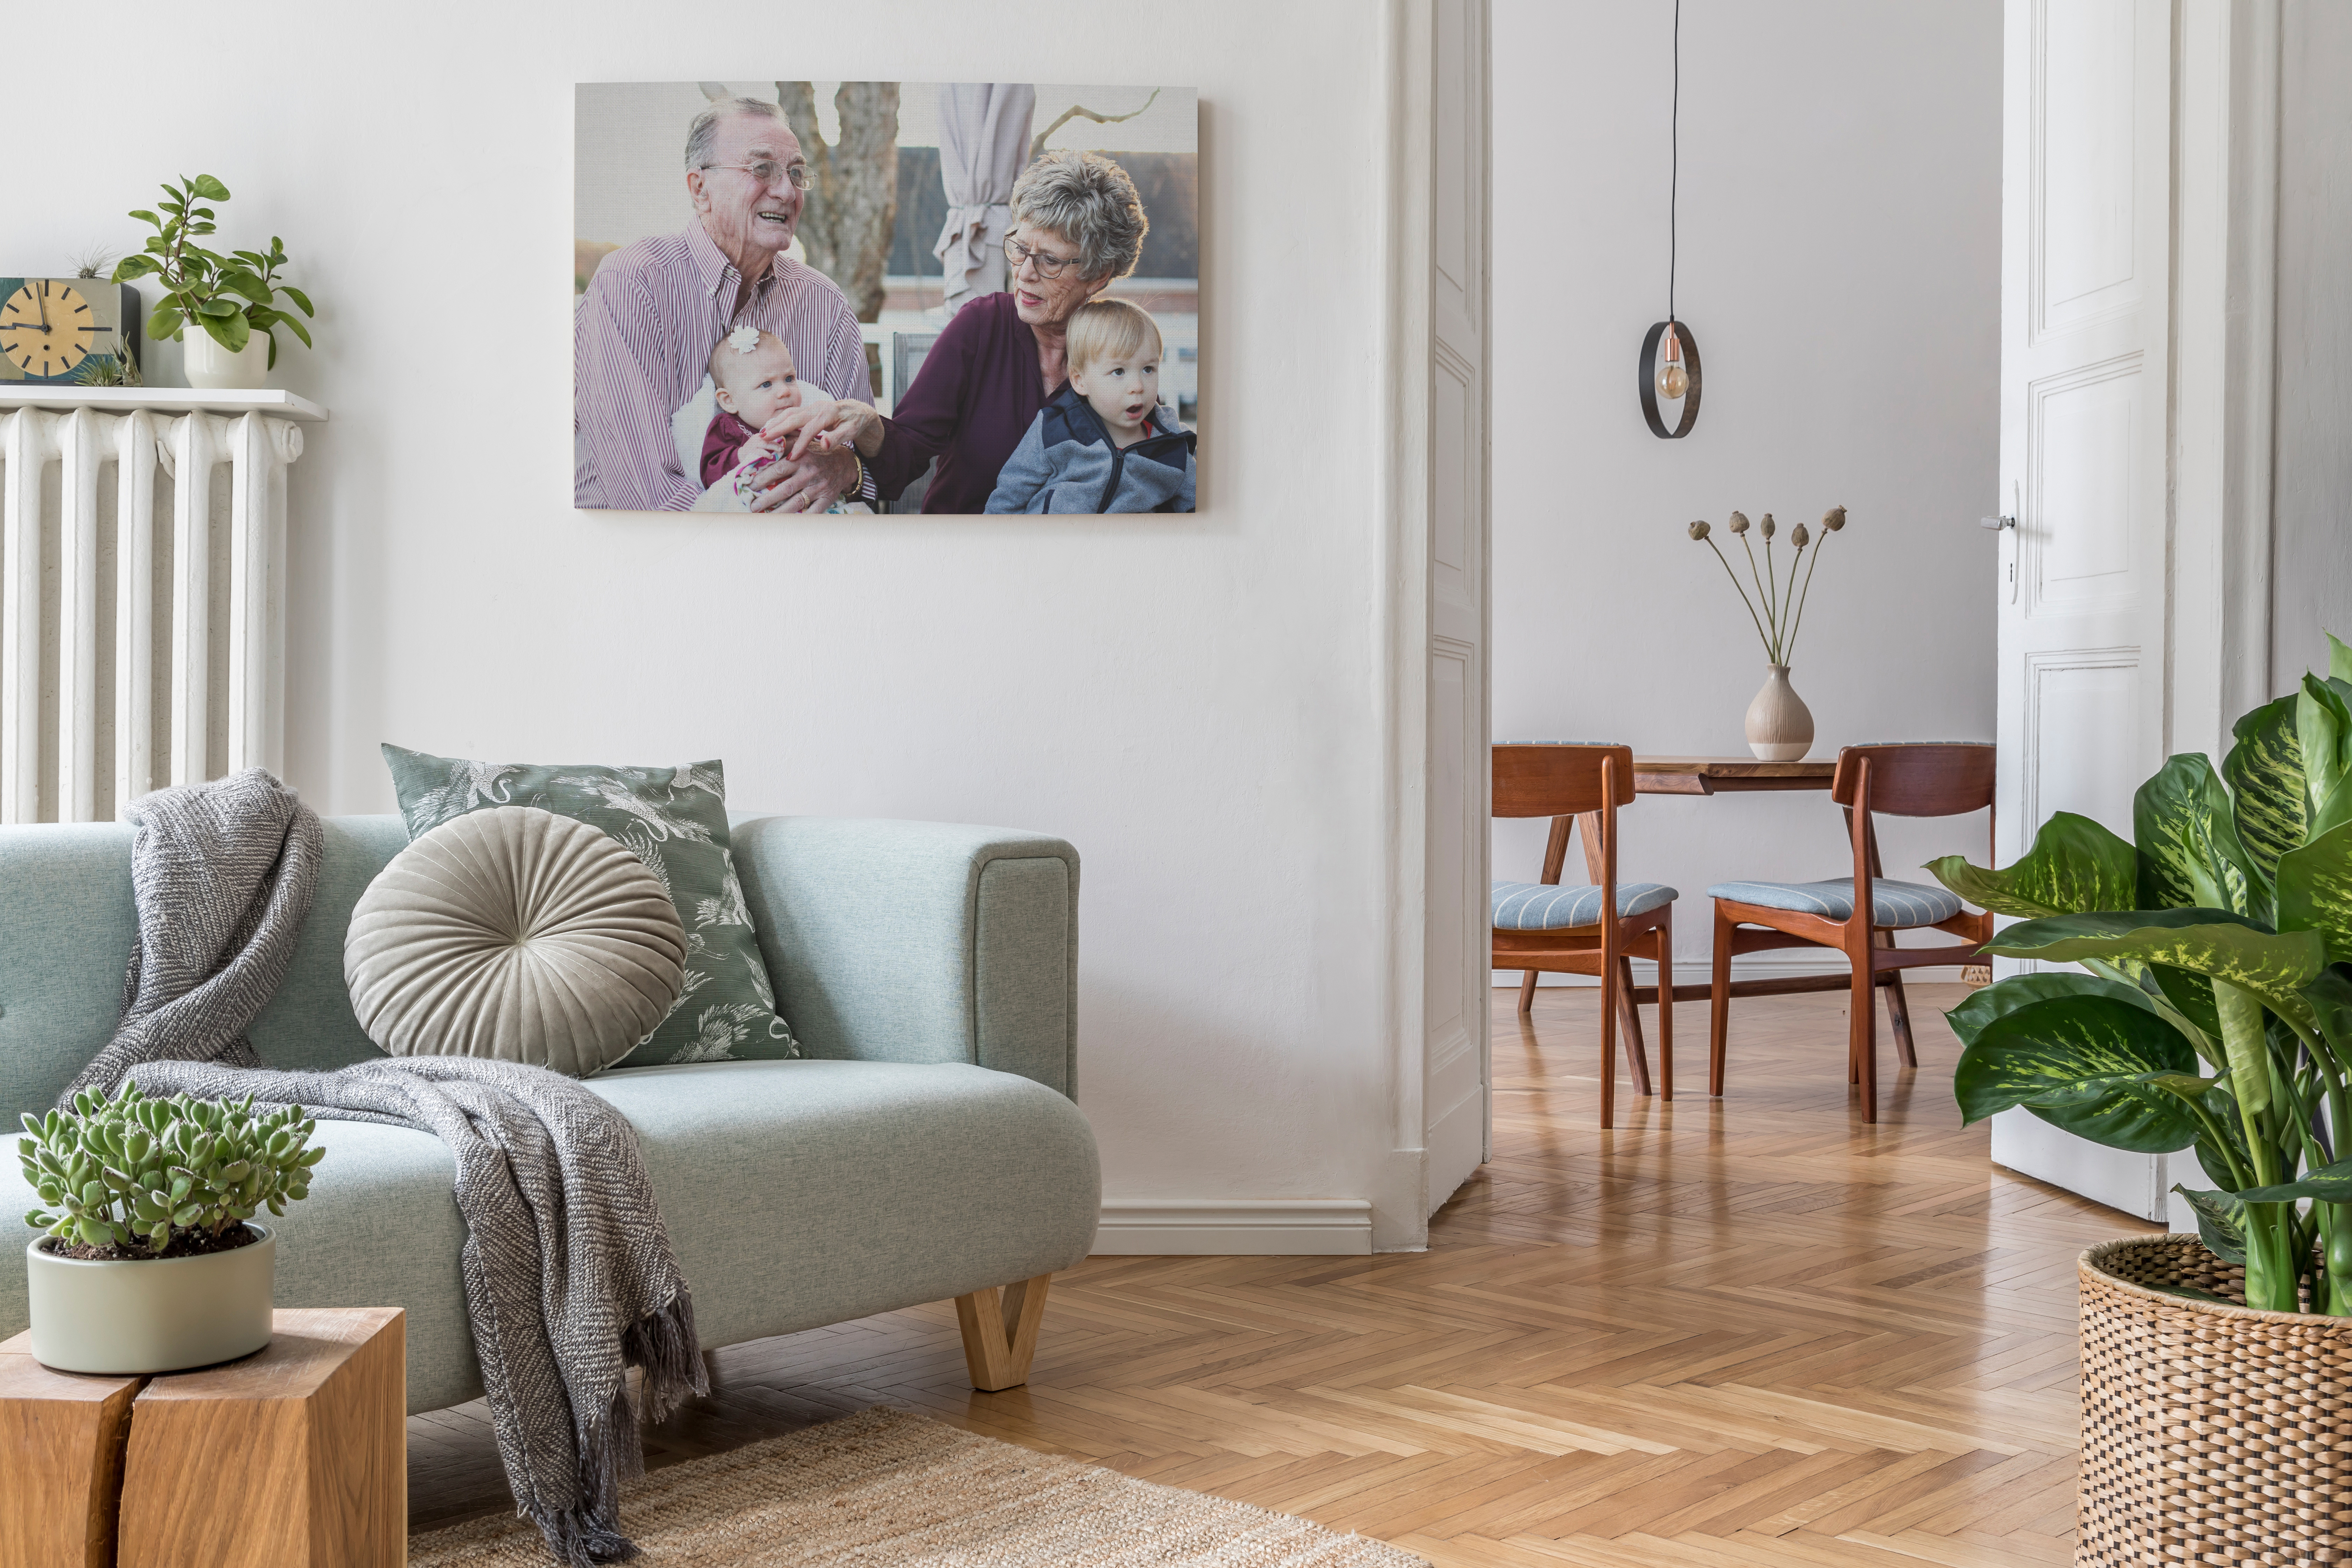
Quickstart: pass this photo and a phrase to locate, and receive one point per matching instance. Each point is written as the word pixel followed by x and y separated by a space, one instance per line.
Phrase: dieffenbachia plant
pixel 130 1172
pixel 2216 1009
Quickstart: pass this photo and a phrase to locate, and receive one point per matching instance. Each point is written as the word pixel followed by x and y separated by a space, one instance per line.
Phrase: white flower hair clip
pixel 744 340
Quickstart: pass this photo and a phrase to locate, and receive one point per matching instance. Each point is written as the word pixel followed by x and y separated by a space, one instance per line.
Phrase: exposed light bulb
pixel 1672 379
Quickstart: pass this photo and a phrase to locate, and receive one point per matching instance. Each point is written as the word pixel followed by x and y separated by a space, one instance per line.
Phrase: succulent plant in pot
pixel 148 1261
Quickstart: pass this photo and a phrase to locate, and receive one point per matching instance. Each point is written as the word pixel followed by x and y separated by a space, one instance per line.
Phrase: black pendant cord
pixel 1675 164
pixel 1681 330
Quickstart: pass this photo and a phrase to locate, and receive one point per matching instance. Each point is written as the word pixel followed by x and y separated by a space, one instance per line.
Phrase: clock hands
pixel 42 299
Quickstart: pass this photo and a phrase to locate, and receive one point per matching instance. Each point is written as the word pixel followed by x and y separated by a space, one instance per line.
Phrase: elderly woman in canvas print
pixel 1077 227
pixel 644 333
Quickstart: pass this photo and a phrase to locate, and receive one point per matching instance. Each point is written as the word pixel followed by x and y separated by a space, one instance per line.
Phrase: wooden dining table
pixel 1728 775
pixel 1716 775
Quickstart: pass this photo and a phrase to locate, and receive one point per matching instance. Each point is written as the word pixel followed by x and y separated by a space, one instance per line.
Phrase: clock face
pixel 46 327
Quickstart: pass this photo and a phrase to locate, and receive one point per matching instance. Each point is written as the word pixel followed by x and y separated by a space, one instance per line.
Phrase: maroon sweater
pixel 971 404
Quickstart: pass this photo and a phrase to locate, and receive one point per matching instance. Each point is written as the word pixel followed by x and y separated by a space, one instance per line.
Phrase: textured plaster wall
pixel 1190 701
pixel 1840 255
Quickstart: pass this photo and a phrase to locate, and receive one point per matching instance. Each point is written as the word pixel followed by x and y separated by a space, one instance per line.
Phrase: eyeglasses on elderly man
pixel 767 171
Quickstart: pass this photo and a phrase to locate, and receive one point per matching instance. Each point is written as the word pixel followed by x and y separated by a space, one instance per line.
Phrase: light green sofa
pixel 928 1148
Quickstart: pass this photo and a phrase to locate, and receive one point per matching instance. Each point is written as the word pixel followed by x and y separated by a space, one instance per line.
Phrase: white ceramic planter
pixel 1779 726
pixel 162 1315
pixel 213 368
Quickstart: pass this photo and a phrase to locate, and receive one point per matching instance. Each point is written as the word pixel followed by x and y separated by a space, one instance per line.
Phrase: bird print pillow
pixel 673 819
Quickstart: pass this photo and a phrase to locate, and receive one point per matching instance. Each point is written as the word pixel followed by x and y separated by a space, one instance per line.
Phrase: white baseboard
pixel 1699 971
pixel 1257 1228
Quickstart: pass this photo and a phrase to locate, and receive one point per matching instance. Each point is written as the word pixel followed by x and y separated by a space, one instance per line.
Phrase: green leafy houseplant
pixel 134 1174
pixel 230 297
pixel 2216 1010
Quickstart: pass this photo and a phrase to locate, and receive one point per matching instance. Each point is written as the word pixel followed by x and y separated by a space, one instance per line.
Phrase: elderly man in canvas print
pixel 643 335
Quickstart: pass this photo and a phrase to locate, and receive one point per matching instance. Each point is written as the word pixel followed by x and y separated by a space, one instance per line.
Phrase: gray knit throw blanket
pixel 570 1279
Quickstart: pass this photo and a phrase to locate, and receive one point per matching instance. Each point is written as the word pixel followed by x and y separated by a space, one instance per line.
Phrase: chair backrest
pixel 1922 778
pixel 1558 778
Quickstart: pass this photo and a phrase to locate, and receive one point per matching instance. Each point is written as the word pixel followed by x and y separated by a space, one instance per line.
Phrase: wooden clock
pixel 52 327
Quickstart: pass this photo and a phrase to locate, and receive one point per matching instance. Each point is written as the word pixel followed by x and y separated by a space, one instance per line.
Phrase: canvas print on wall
pixel 884 296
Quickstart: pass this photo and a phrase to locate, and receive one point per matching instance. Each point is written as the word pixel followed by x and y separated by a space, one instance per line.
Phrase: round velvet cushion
pixel 516 934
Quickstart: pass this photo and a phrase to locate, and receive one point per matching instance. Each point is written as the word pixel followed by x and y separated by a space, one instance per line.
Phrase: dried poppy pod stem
pixel 1832 520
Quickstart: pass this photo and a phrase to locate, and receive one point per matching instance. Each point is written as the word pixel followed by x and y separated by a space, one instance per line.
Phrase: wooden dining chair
pixel 1541 927
pixel 1860 915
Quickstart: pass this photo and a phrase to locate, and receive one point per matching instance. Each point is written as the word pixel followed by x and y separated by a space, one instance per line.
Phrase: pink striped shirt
pixel 641 343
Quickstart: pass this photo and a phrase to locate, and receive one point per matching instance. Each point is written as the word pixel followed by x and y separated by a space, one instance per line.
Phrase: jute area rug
pixel 887 1490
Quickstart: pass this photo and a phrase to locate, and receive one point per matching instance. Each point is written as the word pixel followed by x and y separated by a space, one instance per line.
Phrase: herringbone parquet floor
pixel 1746 1333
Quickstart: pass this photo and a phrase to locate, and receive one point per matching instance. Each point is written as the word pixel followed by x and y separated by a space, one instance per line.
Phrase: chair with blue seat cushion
pixel 1860 914
pixel 1541 926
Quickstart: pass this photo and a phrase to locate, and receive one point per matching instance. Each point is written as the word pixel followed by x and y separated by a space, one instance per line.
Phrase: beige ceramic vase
pixel 1779 726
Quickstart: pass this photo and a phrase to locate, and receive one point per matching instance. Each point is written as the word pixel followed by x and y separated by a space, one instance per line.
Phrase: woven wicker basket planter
pixel 2211 1434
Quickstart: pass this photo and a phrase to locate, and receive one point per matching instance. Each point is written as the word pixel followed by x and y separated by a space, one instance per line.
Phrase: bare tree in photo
pixel 853 208
pixel 1080 111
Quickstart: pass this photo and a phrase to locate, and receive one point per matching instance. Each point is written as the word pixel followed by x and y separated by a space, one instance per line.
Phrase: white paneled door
pixel 2138 170
pixel 1456 922
pixel 2086 226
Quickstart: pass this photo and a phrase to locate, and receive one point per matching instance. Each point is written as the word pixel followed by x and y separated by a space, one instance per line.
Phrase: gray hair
pixel 1089 201
pixel 702 136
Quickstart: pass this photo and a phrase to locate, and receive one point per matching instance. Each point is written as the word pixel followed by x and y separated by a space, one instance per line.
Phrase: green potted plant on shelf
pixel 232 298
pixel 149 1259
pixel 2212 1011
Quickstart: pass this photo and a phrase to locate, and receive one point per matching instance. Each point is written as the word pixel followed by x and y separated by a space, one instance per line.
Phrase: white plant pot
pixel 152 1315
pixel 213 368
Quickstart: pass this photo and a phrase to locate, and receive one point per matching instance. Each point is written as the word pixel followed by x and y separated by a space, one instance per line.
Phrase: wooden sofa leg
pixel 1000 1331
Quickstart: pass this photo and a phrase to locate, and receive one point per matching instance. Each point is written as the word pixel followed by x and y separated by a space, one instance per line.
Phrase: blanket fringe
pixel 664 1343
pixel 611 1450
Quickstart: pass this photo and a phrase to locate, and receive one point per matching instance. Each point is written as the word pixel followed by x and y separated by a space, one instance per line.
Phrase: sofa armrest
pixel 919 941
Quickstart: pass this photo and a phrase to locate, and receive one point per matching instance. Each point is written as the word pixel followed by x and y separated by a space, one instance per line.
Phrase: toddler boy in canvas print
pixel 1107 443
pixel 756 382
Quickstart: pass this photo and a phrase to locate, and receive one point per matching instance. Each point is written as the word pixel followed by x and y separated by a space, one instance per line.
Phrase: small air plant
pixel 136 1175
pixel 1778 609
pixel 116 369
pixel 91 260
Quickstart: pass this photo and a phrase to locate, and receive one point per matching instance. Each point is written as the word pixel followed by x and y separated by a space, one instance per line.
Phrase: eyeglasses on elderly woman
pixel 1048 263
pixel 767 169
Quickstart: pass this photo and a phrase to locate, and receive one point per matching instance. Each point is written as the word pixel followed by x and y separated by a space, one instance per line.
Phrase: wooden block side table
pixel 295 1457
pixel 61 1437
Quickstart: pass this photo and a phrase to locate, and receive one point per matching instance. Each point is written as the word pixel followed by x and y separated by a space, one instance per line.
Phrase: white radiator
pixel 142 581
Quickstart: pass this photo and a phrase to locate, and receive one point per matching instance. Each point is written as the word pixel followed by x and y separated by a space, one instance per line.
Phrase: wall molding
pixel 1256 1227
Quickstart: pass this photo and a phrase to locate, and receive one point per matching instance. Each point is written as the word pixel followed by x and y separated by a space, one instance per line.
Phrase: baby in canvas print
pixel 756 383
pixel 1107 443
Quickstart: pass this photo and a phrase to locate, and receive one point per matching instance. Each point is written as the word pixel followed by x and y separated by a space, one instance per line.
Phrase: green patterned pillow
pixel 673 819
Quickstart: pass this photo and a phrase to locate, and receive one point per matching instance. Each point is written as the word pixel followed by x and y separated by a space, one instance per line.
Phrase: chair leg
pixel 1718 1003
pixel 1628 1024
pixel 1862 1041
pixel 1665 937
pixel 1526 992
pixel 1608 1044
pixel 1898 1013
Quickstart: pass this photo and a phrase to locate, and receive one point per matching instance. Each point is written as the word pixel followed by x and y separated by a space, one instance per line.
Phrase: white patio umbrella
pixel 984 146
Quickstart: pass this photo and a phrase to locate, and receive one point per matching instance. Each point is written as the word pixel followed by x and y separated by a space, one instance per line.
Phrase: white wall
pixel 1841 215
pixel 2312 542
pixel 1188 699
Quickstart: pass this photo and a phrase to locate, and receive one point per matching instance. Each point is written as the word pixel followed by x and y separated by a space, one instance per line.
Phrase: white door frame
pixel 1434 613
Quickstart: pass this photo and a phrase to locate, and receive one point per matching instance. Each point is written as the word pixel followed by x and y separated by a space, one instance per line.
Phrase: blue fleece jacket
pixel 1066 463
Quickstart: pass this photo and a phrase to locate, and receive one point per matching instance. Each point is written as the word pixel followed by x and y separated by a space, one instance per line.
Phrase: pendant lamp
pixel 1670 368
